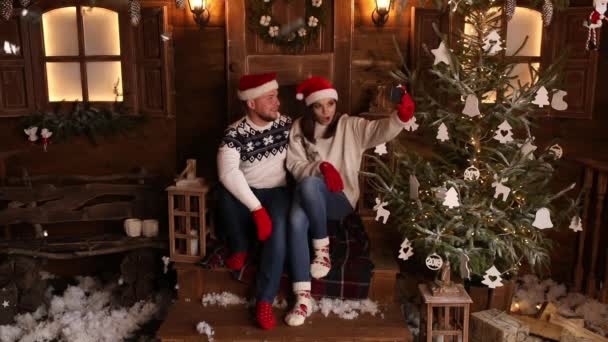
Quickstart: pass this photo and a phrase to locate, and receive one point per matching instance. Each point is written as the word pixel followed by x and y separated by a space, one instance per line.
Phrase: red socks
pixel 236 261
pixel 264 315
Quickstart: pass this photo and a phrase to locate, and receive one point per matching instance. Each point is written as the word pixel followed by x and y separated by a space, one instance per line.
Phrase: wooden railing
pixel 588 278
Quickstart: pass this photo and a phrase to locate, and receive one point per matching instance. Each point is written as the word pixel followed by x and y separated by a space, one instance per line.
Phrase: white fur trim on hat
pixel 258 91
pixel 321 94
pixel 300 96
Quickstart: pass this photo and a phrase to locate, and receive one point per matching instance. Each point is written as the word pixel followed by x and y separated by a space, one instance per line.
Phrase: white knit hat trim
pixel 321 94
pixel 258 91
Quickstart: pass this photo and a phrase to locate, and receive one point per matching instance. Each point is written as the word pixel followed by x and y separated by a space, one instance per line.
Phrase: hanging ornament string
pixel 293 36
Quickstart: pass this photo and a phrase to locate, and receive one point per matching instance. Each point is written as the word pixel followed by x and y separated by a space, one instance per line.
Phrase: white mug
pixel 150 228
pixel 133 227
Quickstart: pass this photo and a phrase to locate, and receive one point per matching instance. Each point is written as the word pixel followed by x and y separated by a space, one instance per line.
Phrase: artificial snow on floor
pixel 83 313
pixel 204 328
pixel 345 309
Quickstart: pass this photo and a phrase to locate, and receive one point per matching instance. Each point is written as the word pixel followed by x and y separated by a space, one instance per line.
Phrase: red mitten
pixel 333 180
pixel 406 107
pixel 263 223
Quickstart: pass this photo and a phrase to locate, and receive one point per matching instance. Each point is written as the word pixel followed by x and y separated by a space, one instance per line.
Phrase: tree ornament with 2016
pixel 492 278
pixel 434 262
pixel 381 212
pixel 406 251
pixel 504 133
pixel 542 219
pixel 594 22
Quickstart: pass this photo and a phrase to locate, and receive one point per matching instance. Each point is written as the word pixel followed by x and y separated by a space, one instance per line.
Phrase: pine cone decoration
pixel 547 12
pixel 180 3
pixel 134 12
pixel 24 3
pixel 6 9
pixel 510 9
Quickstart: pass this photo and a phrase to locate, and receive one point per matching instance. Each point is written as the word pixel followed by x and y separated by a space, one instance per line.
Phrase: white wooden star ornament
pixel 5 304
pixel 442 55
pixel 492 272
pixel 406 251
pixel 542 219
pixel 381 149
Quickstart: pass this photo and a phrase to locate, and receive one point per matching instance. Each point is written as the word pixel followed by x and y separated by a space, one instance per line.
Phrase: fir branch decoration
pixel 489 229
pixel 294 37
pixel 84 120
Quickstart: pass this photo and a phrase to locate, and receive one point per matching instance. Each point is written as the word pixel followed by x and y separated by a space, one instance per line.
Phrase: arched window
pixel 82 56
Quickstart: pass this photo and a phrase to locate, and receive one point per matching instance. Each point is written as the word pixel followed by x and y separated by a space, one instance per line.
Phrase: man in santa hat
pixel 254 199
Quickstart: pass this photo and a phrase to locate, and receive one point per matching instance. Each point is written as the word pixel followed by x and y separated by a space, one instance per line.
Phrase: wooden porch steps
pixel 236 323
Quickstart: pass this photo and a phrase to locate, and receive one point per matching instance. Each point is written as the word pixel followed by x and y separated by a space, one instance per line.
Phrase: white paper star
pixel 380 149
pixel 5 304
pixel 441 54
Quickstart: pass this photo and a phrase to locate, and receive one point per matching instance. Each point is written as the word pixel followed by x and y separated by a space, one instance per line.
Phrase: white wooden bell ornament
pixel 542 220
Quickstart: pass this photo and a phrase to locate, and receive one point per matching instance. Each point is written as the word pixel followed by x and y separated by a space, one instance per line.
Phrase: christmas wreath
pixel 294 36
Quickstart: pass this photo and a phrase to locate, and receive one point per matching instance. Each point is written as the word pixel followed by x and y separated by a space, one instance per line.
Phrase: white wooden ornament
pixel 434 262
pixel 557 151
pixel 381 212
pixel 542 219
pixel 492 43
pixel 504 133
pixel 500 188
pixel 381 149
pixel 492 272
pixel 542 97
pixel 414 186
pixel 442 133
pixel 465 271
pixel 528 148
pixel 406 251
pixel 471 106
pixel 411 124
pixel 451 199
pixel 576 224
pixel 471 173
pixel 440 192
pixel 442 55
pixel 31 133
pixel 557 101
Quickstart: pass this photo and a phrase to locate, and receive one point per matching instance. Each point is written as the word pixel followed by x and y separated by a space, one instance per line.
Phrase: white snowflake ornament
pixel 557 151
pixel 557 101
pixel 302 32
pixel 442 55
pixel 273 31
pixel 576 224
pixel 312 21
pixel 500 188
pixel 442 133
pixel 434 262
pixel 492 272
pixel 471 106
pixel 542 219
pixel 411 124
pixel 492 43
pixel 381 212
pixel 471 173
pixel 451 199
pixel 414 186
pixel 542 97
pixel 31 133
pixel 504 133
pixel 406 251
pixel 265 20
pixel 380 149
pixel 317 3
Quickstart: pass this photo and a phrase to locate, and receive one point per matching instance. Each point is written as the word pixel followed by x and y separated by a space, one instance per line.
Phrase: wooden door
pixel 329 56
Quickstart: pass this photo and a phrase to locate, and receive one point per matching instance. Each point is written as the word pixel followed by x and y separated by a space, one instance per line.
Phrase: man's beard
pixel 268 117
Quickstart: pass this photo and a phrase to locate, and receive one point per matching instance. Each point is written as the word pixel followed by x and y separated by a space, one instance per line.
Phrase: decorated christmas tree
pixel 480 197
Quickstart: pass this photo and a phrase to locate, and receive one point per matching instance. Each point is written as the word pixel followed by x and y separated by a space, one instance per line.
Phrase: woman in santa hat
pixel 324 155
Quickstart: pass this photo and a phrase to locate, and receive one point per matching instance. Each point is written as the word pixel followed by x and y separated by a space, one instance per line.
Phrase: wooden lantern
pixel 187 226
pixel 451 319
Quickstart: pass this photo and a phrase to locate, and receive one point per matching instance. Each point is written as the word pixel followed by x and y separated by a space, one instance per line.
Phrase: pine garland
pixel 510 9
pixel 547 12
pixel 294 37
pixel 84 120
pixel 488 230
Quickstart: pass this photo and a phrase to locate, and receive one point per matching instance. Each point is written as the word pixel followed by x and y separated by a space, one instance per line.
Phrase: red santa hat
pixel 314 89
pixel 256 85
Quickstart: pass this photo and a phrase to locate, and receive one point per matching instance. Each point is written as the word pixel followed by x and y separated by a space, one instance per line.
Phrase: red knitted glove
pixel 406 107
pixel 263 223
pixel 333 180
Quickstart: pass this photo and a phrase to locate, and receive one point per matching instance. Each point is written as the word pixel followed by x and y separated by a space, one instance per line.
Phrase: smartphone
pixel 396 94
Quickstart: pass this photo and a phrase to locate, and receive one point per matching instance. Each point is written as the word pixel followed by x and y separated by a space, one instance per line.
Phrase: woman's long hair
pixel 307 124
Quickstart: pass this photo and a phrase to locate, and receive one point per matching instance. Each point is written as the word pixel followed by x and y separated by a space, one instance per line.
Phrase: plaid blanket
pixel 351 271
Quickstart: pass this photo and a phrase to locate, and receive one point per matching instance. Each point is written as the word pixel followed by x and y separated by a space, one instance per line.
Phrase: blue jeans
pixel 240 231
pixel 313 204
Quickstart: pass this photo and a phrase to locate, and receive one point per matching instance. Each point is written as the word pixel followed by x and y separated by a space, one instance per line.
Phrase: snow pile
pixel 83 313
pixel 204 328
pixel 532 292
pixel 222 299
pixel 346 309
